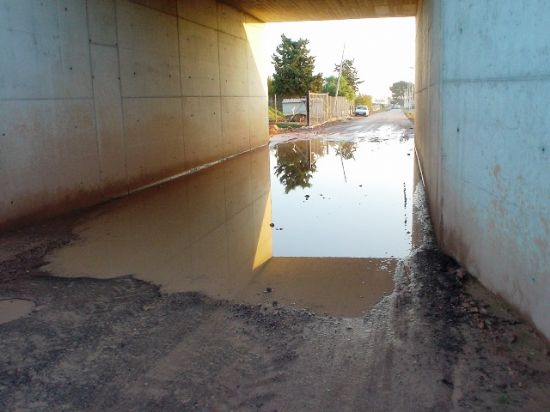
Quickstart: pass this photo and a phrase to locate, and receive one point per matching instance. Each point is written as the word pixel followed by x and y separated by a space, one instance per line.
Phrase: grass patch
pixel 286 125
pixel 274 113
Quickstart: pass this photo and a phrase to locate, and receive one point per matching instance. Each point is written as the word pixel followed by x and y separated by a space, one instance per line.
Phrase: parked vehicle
pixel 362 111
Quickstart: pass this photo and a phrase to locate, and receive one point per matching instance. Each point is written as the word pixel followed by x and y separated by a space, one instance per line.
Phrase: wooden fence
pixel 323 108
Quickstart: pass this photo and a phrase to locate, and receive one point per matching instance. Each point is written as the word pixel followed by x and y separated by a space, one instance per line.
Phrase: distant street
pixel 353 127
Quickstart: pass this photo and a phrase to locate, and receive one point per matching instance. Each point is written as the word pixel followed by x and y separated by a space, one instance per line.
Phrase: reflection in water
pixel 295 164
pixel 355 203
pixel 210 232
pixel 346 150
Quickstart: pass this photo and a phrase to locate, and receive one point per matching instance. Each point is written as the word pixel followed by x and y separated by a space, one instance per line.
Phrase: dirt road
pixel 439 341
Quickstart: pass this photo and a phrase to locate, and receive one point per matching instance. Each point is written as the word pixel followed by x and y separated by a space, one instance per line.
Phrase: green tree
pixel 331 83
pixel 349 72
pixel 364 100
pixel 316 85
pixel 270 88
pixel 293 68
pixel 398 90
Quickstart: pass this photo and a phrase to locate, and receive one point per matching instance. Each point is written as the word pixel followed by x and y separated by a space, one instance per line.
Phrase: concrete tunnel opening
pixel 155 236
pixel 127 75
pixel 309 258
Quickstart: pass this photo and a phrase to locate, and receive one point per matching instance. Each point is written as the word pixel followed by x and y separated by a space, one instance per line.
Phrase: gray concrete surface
pixel 98 98
pixel 482 137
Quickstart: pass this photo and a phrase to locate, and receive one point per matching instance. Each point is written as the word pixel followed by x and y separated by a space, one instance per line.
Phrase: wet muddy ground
pixel 135 324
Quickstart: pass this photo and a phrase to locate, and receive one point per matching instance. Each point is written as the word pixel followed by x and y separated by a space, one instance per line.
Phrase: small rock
pixel 460 273
pixel 307 196
pixel 268 290
pixel 272 225
pixel 274 303
pixel 349 328
pixel 447 382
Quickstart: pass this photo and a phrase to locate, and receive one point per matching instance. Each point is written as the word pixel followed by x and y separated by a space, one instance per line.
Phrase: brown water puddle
pixel 210 232
pixel 12 309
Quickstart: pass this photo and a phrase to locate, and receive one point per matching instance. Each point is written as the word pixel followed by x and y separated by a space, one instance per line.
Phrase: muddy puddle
pixel 12 309
pixel 316 224
pixel 345 198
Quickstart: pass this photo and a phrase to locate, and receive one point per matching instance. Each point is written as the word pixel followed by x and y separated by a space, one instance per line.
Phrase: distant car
pixel 362 111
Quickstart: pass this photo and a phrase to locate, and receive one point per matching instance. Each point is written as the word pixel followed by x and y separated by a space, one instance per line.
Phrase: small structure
pixel 294 107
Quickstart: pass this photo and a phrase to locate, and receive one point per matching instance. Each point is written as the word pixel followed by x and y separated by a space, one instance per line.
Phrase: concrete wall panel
pixel 256 58
pixel 154 138
pixel 46 60
pixel 149 74
pixel 204 12
pixel 48 157
pixel 233 65
pixel 166 6
pixel 142 28
pixel 258 121
pixel 200 69
pixel 102 22
pixel 109 121
pixel 508 40
pixel 149 51
pixel 231 21
pixel 235 128
pixel 203 130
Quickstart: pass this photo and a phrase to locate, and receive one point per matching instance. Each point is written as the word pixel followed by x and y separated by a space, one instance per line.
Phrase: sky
pixel 383 49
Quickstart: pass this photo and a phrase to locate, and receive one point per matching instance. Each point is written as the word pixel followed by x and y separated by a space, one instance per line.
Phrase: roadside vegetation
pixel 294 77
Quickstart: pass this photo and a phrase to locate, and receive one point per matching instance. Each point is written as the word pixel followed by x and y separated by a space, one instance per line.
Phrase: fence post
pixel 307 109
pixel 275 96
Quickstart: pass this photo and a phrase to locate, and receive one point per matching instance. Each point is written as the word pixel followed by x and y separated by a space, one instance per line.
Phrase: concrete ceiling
pixel 296 10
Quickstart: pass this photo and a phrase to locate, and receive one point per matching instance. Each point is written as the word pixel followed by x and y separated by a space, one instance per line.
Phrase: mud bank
pixel 438 342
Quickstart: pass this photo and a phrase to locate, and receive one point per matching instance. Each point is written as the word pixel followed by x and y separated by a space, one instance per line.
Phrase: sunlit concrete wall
pixel 101 97
pixel 482 136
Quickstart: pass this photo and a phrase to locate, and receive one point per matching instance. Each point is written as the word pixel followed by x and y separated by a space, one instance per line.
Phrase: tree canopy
pixel 398 90
pixel 345 89
pixel 349 72
pixel 364 100
pixel 294 67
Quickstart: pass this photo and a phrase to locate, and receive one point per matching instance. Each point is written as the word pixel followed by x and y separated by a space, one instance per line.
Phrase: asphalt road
pixel 354 127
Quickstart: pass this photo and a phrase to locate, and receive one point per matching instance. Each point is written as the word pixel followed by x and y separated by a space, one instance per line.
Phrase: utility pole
pixel 339 76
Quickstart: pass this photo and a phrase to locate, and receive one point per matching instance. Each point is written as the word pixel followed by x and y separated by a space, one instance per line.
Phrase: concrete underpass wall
pixel 100 97
pixel 483 82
